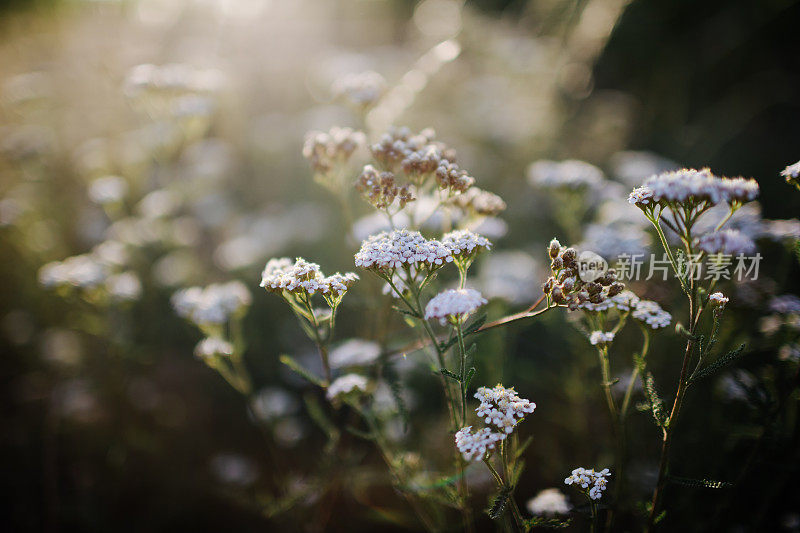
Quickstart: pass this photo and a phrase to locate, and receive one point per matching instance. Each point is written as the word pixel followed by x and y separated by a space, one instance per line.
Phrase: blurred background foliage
pixel 108 420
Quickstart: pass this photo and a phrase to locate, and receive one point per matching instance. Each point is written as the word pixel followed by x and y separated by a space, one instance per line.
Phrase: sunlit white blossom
pixel 728 242
pixel 456 304
pixel 549 502
pixel 347 384
pixel 601 337
pixel 214 304
pixel 652 314
pixel 718 299
pixel 502 407
pixel 592 482
pixel 213 346
pixel 475 446
pixel 401 247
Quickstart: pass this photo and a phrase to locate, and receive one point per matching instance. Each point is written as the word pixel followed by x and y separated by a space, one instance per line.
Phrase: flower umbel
pixel 454 305
pixel 592 482
pixel 502 407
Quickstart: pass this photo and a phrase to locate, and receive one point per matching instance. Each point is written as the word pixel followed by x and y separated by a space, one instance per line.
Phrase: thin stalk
pixel 626 400
pixel 676 406
pixel 321 344
pixel 463 371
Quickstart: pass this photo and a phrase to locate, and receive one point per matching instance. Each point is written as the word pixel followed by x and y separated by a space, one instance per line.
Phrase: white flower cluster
pixel 792 173
pixel 690 186
pixel 502 407
pixel 549 502
pixel 651 314
pixel 718 299
pixel 601 337
pixel 214 304
pixel 727 242
pixel 303 276
pixel 570 174
pixel 213 346
pixel 454 304
pixel 624 301
pixel 474 446
pixel 465 243
pixel 786 304
pixel 362 89
pixel 591 481
pixel 83 271
pixel 347 384
pixel 355 352
pixel 387 251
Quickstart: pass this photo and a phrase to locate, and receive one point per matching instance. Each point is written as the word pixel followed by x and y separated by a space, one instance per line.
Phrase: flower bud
pixel 554 248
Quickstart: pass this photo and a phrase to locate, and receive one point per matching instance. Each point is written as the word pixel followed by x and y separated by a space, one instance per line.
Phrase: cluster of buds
pixel 453 179
pixel 478 202
pixel 380 188
pixel 565 286
pixel 330 151
pixel 398 144
pixel 421 158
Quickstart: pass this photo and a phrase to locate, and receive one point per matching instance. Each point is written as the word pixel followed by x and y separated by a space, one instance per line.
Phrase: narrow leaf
pixel 498 506
pixel 470 374
pixel 451 375
pixel 718 365
pixel 700 483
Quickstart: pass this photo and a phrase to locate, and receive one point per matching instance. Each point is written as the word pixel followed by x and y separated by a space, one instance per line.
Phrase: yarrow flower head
pixel 355 352
pixel 691 188
pixel 652 314
pixel 718 299
pixel 81 271
pixel 592 482
pixel 569 174
pixel 454 305
pixel 475 446
pixel 283 276
pixel 549 502
pixel 214 304
pixel 211 347
pixel 396 249
pixel 601 337
pixel 502 408
pixel 464 243
pixel 347 384
pixel 726 242
pixel 792 174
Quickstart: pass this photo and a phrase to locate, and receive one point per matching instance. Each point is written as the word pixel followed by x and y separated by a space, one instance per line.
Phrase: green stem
pixel 463 358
